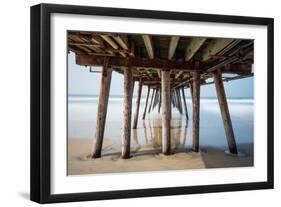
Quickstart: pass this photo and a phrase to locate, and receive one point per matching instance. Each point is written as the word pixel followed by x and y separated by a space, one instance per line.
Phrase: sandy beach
pixel 149 158
pixel 146 140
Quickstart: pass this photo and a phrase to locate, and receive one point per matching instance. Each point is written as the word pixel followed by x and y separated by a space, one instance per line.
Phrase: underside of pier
pixel 166 65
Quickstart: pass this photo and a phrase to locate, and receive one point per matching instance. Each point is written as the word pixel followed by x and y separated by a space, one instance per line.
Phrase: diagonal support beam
pixel 102 111
pixel 110 41
pixel 215 46
pixel 193 47
pixel 225 112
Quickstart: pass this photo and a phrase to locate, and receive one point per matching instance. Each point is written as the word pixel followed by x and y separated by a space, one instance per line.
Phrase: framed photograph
pixel 132 103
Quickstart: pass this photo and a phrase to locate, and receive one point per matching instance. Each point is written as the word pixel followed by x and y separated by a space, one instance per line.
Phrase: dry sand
pixel 149 158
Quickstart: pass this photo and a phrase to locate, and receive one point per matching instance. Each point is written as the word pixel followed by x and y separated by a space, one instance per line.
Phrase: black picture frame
pixel 41 99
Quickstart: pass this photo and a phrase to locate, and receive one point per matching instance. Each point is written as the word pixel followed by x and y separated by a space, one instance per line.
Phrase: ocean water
pixel 82 112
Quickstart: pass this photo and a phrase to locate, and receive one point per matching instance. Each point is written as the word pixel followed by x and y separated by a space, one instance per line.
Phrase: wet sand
pixel 146 140
pixel 150 158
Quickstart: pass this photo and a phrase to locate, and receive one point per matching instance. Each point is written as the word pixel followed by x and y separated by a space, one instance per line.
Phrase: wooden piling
pixel 127 112
pixel 185 106
pixel 146 103
pixel 102 110
pixel 173 100
pixel 225 112
pixel 151 100
pixel 196 110
pixel 191 91
pixel 136 115
pixel 166 112
pixel 159 102
pixel 176 100
pixel 179 100
pixel 155 98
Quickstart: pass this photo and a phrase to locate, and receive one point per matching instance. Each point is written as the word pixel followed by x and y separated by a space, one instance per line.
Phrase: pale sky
pixel 82 82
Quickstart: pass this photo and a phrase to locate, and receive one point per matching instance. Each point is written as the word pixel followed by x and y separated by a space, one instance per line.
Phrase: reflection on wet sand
pixel 149 135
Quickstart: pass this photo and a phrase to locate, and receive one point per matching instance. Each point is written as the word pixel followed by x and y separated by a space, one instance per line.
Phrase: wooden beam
pixel 148 45
pixel 230 46
pixel 146 103
pixel 225 112
pixel 215 46
pixel 136 115
pixel 110 41
pixel 223 63
pixel 193 47
pixel 166 112
pixel 185 107
pixel 196 111
pixel 97 40
pixel 173 46
pixel 179 74
pixel 138 62
pixel 102 110
pixel 83 44
pixel 238 77
pixel 127 113
pixel 122 40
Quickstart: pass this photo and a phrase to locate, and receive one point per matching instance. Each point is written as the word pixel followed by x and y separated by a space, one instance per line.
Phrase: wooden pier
pixel 167 66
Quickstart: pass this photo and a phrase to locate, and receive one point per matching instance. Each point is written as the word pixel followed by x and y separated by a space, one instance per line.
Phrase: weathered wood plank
pixel 193 47
pixel 122 40
pixel 110 41
pixel 127 113
pixel 215 46
pixel 147 64
pixel 102 110
pixel 173 46
pixel 136 115
pixel 136 62
pixel 166 112
pixel 196 110
pixel 225 112
pixel 148 45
